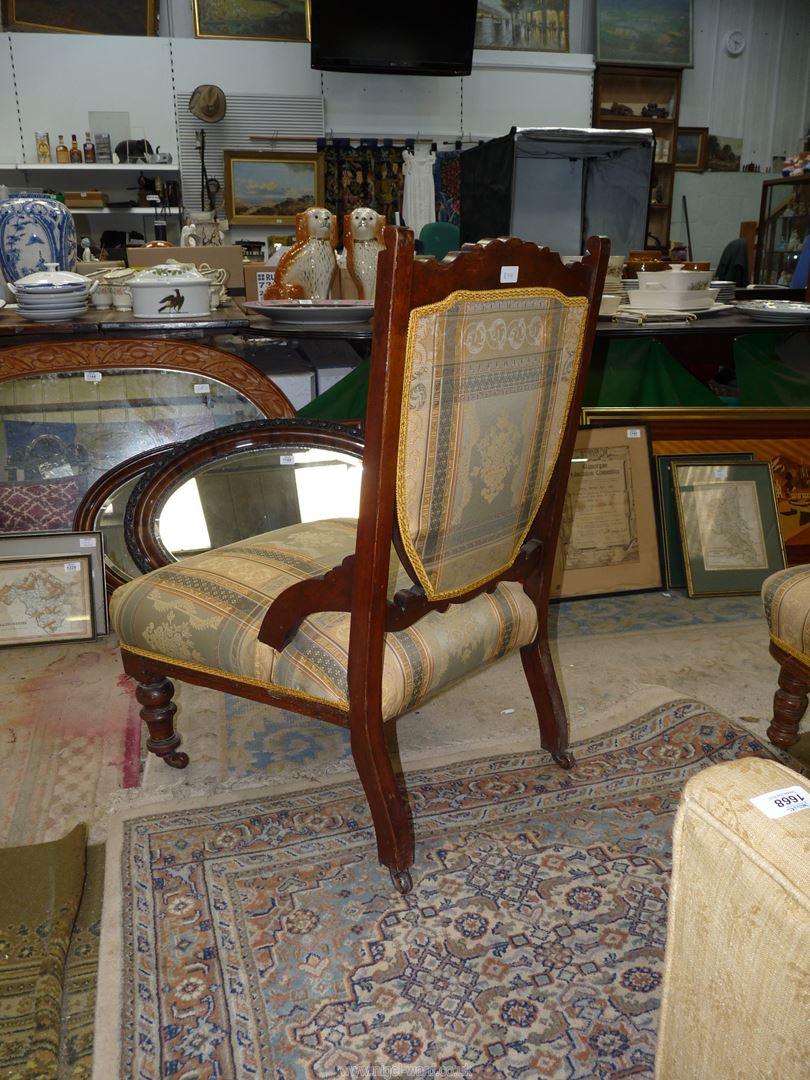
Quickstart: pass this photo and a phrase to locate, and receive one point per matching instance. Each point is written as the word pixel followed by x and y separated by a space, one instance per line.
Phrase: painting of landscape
pixel 522 24
pixel 264 189
pixel 650 32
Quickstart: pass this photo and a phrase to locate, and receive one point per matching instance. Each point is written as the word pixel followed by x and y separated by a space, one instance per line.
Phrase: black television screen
pixel 422 37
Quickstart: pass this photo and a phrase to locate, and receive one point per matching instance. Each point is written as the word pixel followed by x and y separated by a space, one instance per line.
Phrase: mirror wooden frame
pixel 78 355
pixel 168 473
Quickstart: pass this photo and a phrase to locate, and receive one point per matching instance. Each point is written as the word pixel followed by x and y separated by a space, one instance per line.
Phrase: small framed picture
pixel 608 538
pixel 674 569
pixel 690 149
pixel 46 599
pixel 271 189
pixel 68 546
pixel 729 526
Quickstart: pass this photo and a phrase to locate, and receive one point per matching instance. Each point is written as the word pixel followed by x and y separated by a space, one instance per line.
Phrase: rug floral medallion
pixel 261 939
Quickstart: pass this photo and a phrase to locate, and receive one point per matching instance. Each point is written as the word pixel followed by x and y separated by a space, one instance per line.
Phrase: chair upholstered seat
pixel 786 598
pixel 205 613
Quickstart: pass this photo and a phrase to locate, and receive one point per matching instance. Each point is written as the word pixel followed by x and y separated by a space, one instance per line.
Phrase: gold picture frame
pixel 608 535
pixel 283 20
pixel 45 599
pixel 690 149
pixel 138 18
pixel 263 188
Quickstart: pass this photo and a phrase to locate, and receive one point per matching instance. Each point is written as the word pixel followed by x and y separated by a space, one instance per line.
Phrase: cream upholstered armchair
pixel 736 990
pixel 477 372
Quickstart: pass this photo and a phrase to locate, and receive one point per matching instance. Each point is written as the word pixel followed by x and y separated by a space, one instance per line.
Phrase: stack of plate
pixel 52 296
pixel 725 291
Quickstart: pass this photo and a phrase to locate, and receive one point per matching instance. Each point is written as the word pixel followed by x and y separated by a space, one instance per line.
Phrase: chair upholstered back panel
pixel 488 385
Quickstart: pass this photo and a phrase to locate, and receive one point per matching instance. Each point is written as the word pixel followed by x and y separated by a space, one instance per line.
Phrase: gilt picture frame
pixel 264 188
pixel 137 18
pixel 729 526
pixel 690 149
pixel 283 20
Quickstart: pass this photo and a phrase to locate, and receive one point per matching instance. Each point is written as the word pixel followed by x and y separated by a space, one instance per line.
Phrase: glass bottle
pixel 62 152
pixel 75 152
pixel 89 148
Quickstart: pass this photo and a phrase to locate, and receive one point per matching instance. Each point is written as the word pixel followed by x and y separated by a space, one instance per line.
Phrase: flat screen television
pixel 422 37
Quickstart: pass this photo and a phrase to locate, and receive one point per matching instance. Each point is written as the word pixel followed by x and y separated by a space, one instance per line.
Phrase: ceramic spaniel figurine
pixel 362 235
pixel 307 270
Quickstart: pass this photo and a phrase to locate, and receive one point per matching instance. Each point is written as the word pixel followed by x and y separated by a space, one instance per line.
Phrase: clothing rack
pixel 464 140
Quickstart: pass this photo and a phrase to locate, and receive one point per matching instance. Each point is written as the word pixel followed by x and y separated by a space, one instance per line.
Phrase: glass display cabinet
pixel 784 222
pixel 639 97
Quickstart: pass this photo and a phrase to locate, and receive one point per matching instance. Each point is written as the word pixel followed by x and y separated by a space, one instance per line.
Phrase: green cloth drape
pixel 346 400
pixel 762 378
pixel 642 372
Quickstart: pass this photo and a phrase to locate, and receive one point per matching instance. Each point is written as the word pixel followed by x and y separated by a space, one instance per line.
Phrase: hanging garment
pixel 419 192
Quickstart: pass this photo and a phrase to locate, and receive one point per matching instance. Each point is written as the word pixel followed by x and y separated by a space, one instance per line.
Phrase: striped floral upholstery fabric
pixel 786 598
pixel 205 612
pixel 481 427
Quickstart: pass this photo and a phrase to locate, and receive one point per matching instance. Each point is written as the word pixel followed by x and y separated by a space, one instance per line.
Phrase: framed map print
pixel 729 526
pixel 45 600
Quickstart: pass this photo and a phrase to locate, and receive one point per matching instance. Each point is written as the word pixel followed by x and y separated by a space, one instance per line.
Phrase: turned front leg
pixel 157 712
pixel 790 700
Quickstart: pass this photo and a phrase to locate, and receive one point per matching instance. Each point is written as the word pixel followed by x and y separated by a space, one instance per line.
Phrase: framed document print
pixel 729 526
pixel 608 538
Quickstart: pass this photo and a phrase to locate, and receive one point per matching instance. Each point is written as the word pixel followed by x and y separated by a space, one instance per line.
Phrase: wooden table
pixel 99 322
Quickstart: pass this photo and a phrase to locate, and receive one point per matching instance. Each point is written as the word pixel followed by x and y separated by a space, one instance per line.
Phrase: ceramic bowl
pixel 677 281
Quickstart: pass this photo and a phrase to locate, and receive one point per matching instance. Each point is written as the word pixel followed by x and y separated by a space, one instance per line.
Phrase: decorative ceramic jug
pixel 34 232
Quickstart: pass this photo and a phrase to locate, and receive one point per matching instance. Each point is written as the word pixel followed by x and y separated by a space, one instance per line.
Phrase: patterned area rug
pixel 70 735
pixel 260 938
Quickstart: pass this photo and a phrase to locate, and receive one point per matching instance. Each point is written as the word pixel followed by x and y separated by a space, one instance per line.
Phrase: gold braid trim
pixel 283 691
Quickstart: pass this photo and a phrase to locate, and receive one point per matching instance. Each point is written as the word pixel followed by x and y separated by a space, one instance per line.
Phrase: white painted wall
pixel 762 96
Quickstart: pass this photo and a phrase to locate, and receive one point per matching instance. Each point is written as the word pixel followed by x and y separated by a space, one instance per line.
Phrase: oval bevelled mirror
pixel 242 481
pixel 72 411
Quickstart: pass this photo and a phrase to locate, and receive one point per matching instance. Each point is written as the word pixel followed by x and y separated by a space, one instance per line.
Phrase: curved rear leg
pixel 548 702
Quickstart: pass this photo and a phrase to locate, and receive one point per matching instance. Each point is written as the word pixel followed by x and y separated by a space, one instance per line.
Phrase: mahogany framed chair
pixel 477 372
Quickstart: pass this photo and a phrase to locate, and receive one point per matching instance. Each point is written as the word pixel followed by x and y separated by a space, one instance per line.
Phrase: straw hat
pixel 207 103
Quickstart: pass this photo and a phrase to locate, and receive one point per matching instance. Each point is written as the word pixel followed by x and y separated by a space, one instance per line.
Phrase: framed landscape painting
pixel 522 25
pixel 271 189
pixel 654 33
pixel 136 18
pixel 252 20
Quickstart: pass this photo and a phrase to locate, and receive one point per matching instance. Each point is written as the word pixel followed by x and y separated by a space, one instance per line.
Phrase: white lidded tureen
pixel 169 291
